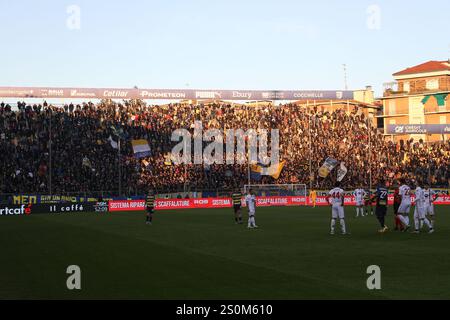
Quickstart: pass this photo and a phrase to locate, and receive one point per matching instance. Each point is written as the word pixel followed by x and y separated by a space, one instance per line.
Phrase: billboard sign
pixel 172 94
pixel 399 129
pixel 14 210
pixel 63 208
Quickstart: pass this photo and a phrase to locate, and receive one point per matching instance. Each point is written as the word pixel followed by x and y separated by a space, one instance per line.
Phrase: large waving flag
pixel 274 170
pixel 342 172
pixel 327 167
pixel 255 172
pixel 114 144
pixel 259 170
pixel 141 148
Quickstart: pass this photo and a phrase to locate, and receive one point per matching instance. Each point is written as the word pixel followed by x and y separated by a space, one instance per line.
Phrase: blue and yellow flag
pixel 259 170
pixel 141 148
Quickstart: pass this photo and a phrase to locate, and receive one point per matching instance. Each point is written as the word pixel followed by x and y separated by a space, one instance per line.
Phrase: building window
pixel 432 84
pixel 443 120
pixel 392 107
pixel 406 87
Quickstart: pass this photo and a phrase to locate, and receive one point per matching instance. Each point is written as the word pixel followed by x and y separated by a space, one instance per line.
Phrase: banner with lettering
pixel 172 94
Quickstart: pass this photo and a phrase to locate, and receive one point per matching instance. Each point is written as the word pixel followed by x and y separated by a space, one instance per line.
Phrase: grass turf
pixel 202 254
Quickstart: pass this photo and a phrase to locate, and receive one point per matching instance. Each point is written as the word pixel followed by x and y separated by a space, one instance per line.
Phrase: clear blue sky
pixel 218 44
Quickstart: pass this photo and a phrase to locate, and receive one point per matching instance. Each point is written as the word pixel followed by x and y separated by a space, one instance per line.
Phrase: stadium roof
pixel 430 66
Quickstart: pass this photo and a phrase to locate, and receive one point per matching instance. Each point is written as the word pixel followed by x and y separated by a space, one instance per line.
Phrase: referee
pixel 150 206
pixel 381 197
pixel 236 197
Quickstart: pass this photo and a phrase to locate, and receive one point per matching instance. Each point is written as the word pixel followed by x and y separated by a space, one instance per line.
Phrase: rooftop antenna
pixel 449 55
pixel 345 76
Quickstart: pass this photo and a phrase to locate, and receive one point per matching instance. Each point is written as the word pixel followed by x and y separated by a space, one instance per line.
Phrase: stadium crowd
pixel 84 160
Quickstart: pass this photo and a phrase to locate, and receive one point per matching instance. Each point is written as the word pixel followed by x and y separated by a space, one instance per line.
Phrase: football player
pixel 430 196
pixel 397 201
pixel 405 205
pixel 250 199
pixel 381 198
pixel 336 200
pixel 367 202
pixel 237 198
pixel 419 210
pixel 150 206
pixel 359 195
pixel 313 196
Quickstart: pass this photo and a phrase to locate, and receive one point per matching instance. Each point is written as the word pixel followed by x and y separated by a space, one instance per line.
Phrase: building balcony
pixel 393 93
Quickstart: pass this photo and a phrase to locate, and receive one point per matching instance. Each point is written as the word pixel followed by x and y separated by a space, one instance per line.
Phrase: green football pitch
pixel 202 254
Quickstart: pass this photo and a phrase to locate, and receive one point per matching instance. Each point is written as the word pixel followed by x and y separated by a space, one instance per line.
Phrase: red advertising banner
pixel 280 201
pixel 350 200
pixel 204 203
pixel 170 204
pixel 126 205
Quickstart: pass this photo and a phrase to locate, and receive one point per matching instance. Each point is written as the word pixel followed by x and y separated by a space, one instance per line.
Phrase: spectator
pixel 83 160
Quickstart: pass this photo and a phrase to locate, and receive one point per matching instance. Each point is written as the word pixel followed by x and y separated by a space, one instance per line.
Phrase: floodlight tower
pixel 345 76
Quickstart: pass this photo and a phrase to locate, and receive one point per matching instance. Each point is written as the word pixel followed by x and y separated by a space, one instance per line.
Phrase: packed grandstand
pixel 73 145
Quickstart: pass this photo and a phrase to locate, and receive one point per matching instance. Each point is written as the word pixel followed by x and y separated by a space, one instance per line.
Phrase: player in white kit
pixel 250 200
pixel 430 196
pixel 336 200
pixel 419 211
pixel 405 205
pixel 359 195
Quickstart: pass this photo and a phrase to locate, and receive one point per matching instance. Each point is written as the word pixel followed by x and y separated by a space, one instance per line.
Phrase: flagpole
pixel 50 154
pixel 248 155
pixel 248 172
pixel 369 127
pixel 120 171
pixel 429 167
pixel 185 167
pixel 310 146
pixel 248 166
